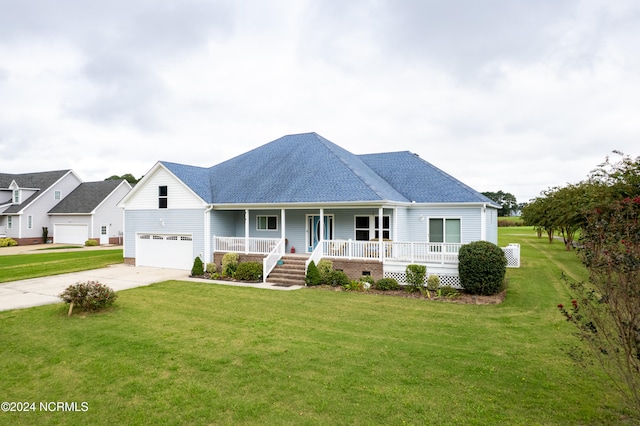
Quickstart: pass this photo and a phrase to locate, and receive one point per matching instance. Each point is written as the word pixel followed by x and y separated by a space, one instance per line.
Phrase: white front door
pixel 104 234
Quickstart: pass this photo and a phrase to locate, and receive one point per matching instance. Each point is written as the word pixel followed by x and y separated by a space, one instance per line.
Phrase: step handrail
pixel 271 260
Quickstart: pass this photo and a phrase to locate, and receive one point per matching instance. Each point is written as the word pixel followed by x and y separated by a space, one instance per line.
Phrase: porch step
pixel 291 272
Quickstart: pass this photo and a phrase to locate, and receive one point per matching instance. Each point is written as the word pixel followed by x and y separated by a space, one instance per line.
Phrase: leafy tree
pixel 506 200
pixel 128 177
pixel 537 214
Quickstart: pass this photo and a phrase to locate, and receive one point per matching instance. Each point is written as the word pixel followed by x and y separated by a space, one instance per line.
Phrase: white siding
pixel 470 221
pixel 164 221
pixel 108 213
pixel 179 196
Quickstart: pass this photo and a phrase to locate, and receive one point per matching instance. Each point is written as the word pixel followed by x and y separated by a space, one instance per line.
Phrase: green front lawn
pixel 198 353
pixel 23 266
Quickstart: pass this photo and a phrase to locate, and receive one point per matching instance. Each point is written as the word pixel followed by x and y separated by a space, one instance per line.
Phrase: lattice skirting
pixel 450 280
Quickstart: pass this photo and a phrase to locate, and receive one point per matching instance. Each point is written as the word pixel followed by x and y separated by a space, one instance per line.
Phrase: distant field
pixel 510 221
pixel 199 353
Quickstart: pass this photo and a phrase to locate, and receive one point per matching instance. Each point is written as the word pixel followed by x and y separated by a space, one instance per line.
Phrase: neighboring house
pixel 370 214
pixel 72 211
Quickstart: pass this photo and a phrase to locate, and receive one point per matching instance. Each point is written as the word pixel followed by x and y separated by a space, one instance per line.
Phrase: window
pixel 16 196
pixel 444 230
pixel 162 197
pixel 57 195
pixel 10 222
pixel 267 223
pixel 29 221
pixel 368 228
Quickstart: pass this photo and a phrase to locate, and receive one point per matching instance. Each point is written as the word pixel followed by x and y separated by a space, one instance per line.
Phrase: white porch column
pixel 246 231
pixel 321 226
pixel 380 234
pixel 282 235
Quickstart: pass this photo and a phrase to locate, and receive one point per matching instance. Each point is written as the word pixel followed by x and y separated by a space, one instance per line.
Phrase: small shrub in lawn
pixel 387 284
pixel 91 243
pixel 313 275
pixel 197 269
pixel 248 271
pixel 8 242
pixel 229 264
pixel 325 267
pixel 338 278
pixel 433 282
pixel 415 277
pixel 88 296
pixel 482 266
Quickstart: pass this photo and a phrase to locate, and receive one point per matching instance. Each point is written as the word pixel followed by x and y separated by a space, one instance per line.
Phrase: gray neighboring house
pixel 72 211
pixel 302 198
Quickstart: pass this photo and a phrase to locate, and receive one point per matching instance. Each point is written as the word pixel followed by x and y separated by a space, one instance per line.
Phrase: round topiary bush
pixel 482 266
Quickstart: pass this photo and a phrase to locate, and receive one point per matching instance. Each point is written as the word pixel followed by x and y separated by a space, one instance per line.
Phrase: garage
pixel 165 251
pixel 70 233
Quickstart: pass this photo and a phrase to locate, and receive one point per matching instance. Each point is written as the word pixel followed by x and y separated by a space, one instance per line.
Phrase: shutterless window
pixel 29 222
pixel 162 197
pixel 362 228
pixel 267 223
pixel 56 195
pixel 16 196
pixel 444 230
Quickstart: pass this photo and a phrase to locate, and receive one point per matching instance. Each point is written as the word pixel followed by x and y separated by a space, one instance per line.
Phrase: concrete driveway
pixel 45 290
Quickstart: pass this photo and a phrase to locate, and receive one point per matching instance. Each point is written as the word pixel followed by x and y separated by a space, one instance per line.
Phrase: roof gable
pixel 40 182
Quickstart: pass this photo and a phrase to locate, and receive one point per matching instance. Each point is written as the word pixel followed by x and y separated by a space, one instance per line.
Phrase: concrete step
pixel 290 272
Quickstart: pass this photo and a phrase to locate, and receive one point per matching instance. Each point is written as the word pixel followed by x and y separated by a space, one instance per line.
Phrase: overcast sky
pixel 512 95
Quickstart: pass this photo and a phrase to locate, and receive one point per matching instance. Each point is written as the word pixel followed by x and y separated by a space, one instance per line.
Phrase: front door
pixel 104 234
pixel 313 230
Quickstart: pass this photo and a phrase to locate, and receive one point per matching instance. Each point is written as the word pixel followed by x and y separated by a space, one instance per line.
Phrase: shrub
pixel 313 275
pixel 229 264
pixel 211 268
pixel 88 296
pixel 8 242
pixel 197 269
pixel 387 284
pixel 415 277
pixel 248 271
pixel 325 267
pixel 338 278
pixel 447 291
pixel 357 285
pixel 368 279
pixel 433 282
pixel 91 243
pixel 482 266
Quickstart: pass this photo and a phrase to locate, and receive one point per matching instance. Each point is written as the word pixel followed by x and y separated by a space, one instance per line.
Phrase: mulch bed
pixel 462 298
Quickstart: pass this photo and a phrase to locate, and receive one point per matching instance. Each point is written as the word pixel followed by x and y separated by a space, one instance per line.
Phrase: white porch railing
pixel 315 257
pixel 270 262
pixel 442 253
pixel 246 245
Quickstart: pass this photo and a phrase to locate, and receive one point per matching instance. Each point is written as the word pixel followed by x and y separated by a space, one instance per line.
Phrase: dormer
pixel 16 193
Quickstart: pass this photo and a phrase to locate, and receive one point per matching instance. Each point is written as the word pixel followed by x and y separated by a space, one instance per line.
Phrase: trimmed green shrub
pixel 415 277
pixel 325 267
pixel 368 279
pixel 482 266
pixel 338 278
pixel 91 243
pixel 197 269
pixel 313 275
pixel 88 296
pixel 433 282
pixel 387 284
pixel 229 264
pixel 447 291
pixel 211 268
pixel 248 271
pixel 8 242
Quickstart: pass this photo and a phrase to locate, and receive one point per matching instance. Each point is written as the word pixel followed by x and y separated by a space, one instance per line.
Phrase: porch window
pixel 267 223
pixel 368 227
pixel 162 197
pixel 444 230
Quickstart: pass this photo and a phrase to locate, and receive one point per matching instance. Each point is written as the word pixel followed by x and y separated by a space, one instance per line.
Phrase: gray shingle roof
pixel 86 197
pixel 307 168
pixel 41 181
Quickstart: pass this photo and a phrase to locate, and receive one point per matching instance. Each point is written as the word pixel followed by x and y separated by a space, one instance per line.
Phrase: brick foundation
pixel 217 258
pixel 130 261
pixel 357 268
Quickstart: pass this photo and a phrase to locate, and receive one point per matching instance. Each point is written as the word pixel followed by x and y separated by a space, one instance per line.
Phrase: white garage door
pixel 164 251
pixel 70 233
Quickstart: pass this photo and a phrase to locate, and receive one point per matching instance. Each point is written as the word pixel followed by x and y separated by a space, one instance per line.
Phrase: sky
pixel 511 95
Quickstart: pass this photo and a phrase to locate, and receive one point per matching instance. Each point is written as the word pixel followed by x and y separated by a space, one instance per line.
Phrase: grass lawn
pixel 198 353
pixel 23 266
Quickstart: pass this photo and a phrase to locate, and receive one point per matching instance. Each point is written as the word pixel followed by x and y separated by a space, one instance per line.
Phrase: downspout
pixel 246 231
pixel 207 234
pixel 483 223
